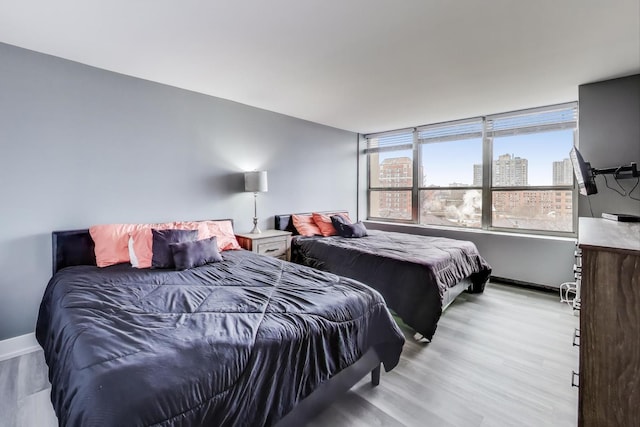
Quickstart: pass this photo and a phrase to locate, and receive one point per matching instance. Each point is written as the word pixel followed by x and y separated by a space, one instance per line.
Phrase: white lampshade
pixel 256 181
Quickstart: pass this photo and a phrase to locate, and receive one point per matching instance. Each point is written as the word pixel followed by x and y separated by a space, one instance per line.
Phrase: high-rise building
pixel 510 171
pixel 477 175
pixel 563 172
pixel 507 171
pixel 395 172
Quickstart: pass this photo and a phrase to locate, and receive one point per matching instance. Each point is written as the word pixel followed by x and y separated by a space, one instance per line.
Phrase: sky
pixel 448 162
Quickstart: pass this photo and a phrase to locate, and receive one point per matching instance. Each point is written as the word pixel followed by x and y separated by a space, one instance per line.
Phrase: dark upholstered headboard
pixel 283 222
pixel 76 247
pixel 72 247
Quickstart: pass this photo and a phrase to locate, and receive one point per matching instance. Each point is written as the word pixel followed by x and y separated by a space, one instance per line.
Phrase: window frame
pixel 442 139
pixel 487 189
pixel 380 189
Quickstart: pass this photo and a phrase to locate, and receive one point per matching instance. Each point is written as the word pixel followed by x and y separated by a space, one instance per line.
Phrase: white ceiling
pixel 360 65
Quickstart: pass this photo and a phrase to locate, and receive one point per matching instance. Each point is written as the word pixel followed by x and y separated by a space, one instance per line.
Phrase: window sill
pixel 408 228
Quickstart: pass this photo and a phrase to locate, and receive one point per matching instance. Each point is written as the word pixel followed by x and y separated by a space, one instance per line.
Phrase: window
pixel 509 172
pixel 450 190
pixel 532 177
pixel 391 176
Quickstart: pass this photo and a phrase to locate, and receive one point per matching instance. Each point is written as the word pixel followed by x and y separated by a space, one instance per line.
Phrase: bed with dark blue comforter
pixel 418 276
pixel 235 343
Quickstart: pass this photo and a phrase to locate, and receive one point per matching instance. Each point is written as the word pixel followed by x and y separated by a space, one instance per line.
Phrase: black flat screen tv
pixel 584 173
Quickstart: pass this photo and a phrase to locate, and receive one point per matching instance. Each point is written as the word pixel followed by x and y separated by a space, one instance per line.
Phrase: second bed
pixel 418 276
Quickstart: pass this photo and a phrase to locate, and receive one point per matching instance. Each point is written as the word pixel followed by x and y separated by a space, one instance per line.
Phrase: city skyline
pixel 539 209
pixel 507 170
pixel 452 161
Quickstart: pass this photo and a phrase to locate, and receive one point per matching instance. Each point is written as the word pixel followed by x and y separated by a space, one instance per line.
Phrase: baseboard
pixel 17 346
pixel 524 284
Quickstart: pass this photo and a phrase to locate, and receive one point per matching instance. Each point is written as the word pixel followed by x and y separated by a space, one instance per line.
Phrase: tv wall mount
pixel 621 172
pixel 586 175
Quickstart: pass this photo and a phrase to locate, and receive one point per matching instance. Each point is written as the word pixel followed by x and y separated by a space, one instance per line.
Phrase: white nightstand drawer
pixel 275 249
pixel 273 243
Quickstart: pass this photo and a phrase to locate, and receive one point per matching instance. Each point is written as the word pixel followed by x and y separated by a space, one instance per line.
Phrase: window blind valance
pixel 377 143
pixel 452 131
pixel 557 117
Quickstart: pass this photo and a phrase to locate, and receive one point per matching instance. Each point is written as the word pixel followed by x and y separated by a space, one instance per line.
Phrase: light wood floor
pixel 502 358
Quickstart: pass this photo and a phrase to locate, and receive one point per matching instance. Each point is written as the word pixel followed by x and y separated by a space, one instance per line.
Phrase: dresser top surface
pixel 604 233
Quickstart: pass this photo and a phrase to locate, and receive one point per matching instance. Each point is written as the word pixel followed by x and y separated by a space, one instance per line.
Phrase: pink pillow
pixel 323 221
pixel 112 242
pixel 305 225
pixel 223 230
pixel 143 243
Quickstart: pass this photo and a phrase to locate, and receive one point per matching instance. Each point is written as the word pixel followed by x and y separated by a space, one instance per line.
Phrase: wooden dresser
pixel 609 380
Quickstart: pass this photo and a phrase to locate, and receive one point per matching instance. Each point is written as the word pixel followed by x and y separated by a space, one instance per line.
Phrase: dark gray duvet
pixel 411 272
pixel 234 343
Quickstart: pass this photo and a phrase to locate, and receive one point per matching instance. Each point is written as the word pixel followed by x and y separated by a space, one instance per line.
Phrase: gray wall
pixel 609 132
pixel 82 146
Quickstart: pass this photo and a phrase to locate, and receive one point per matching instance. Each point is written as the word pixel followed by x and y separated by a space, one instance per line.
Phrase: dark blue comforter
pixel 234 343
pixel 413 273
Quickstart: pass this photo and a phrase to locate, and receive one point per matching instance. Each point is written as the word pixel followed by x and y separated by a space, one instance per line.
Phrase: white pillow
pixel 132 254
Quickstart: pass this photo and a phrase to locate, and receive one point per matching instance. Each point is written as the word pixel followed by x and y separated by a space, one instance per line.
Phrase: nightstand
pixel 273 243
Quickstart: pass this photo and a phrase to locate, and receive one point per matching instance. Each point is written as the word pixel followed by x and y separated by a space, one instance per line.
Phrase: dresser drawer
pixel 276 249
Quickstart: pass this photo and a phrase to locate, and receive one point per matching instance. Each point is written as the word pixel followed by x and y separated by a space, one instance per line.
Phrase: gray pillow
pixel 338 220
pixel 347 229
pixel 196 253
pixel 162 255
pixel 353 230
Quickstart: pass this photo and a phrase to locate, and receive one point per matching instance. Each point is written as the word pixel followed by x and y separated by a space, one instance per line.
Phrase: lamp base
pixel 256 229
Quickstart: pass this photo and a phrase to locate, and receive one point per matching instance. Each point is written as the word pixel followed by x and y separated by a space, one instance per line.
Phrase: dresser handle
pixel 270 250
pixel 576 337
pixel 575 375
